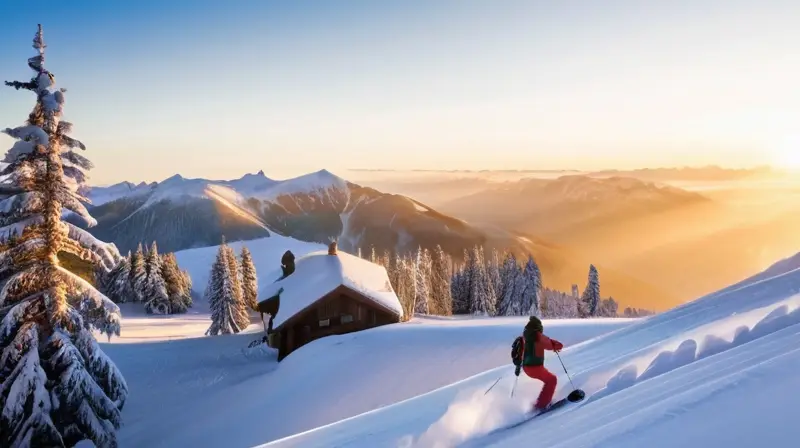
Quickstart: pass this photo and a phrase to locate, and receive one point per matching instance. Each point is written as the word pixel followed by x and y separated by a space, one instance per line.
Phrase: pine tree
pixel 493 273
pixel 422 270
pixel 509 274
pixel 138 276
pixel 440 292
pixel 406 286
pixel 590 300
pixel 249 279
pixel 242 315
pixel 481 296
pixel 156 298
pixel 57 387
pixel 529 299
pixel 178 290
pixel 221 297
pixel 116 283
pixel 560 305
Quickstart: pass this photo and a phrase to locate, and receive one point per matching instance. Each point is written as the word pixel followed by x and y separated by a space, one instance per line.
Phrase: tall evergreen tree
pixel 242 315
pixel 221 297
pixel 116 283
pixel 138 276
pixel 510 275
pixel 529 300
pixel 440 293
pixel 57 387
pixel 178 291
pixel 422 269
pixel 156 298
pixel 590 299
pixel 249 279
pixel 481 296
pixel 493 272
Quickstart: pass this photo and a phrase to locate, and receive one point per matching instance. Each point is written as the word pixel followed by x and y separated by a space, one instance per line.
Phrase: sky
pixel 219 89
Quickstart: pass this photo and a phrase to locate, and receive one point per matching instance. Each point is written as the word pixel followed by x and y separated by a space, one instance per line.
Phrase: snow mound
pixel 266 254
pixel 677 378
pixel 317 274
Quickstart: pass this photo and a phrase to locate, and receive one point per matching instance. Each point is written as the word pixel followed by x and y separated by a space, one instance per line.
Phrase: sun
pixel 786 155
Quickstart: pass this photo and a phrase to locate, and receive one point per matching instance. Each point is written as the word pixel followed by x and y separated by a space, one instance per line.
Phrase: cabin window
pixel 347 318
pixel 325 323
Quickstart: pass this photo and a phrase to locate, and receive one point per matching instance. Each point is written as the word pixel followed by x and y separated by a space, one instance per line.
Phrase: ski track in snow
pixel 648 384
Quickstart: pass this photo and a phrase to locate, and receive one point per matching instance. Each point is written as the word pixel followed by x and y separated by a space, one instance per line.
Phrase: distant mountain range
pixel 181 213
pixel 562 209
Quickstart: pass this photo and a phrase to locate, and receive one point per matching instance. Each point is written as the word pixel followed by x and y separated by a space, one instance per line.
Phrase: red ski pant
pixel 550 381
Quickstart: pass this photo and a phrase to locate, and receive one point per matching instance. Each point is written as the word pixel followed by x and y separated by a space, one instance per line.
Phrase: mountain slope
pixel 182 213
pixel 180 375
pixel 702 374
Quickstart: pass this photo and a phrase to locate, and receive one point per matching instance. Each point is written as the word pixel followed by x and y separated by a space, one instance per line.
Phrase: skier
pixel 534 343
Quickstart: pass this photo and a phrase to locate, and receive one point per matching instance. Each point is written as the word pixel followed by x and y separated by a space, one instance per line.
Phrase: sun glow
pixel 786 155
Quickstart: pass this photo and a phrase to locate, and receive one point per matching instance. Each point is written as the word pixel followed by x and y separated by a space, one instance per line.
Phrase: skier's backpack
pixel 517 351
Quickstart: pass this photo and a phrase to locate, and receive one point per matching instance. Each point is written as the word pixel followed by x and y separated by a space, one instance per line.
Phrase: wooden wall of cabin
pixel 338 314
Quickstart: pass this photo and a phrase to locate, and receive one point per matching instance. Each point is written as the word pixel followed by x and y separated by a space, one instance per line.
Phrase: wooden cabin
pixel 327 293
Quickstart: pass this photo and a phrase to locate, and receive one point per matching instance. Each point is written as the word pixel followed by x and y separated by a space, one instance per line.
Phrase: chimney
pixel 332 248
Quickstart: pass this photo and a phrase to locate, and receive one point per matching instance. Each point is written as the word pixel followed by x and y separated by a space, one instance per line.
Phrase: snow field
pixel 685 377
pixel 190 390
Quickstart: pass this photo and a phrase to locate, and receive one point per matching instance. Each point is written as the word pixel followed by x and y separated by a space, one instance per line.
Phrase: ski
pixel 575 396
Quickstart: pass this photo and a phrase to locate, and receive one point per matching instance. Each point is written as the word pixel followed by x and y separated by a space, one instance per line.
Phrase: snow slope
pixel 718 371
pixel 191 390
pixel 266 253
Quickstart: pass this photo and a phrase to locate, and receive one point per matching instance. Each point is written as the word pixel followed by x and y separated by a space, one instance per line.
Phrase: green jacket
pixel 532 355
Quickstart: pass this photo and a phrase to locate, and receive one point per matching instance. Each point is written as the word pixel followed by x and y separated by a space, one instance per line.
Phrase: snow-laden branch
pixel 101 313
pixel 70 201
pixel 18 228
pixel 78 160
pixel 29 133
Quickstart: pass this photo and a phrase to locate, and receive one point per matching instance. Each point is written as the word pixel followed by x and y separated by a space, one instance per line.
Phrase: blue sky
pixel 217 89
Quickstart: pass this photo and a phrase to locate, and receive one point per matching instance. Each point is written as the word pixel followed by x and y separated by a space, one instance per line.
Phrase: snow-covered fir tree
pixel 493 273
pixel 57 387
pixel 242 315
pixel 608 308
pixel 156 298
pixel 405 286
pixel 178 284
pixel 116 283
pixel 508 292
pixel 422 269
pixel 531 291
pixel 440 293
pixel 221 297
pixel 481 296
pixel 138 275
pixel 590 299
pixel 560 305
pixel 249 279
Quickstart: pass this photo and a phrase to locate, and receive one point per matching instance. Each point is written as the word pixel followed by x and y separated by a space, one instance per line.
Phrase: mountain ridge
pixel 181 213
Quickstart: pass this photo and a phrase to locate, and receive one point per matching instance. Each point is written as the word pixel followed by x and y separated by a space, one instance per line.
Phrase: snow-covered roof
pixel 317 274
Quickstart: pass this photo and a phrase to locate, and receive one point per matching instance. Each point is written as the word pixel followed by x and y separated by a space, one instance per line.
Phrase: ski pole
pixel 493 384
pixel 565 370
pixel 515 386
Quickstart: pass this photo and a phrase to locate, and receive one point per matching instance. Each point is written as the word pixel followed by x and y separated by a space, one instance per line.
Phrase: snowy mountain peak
pixel 173 179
